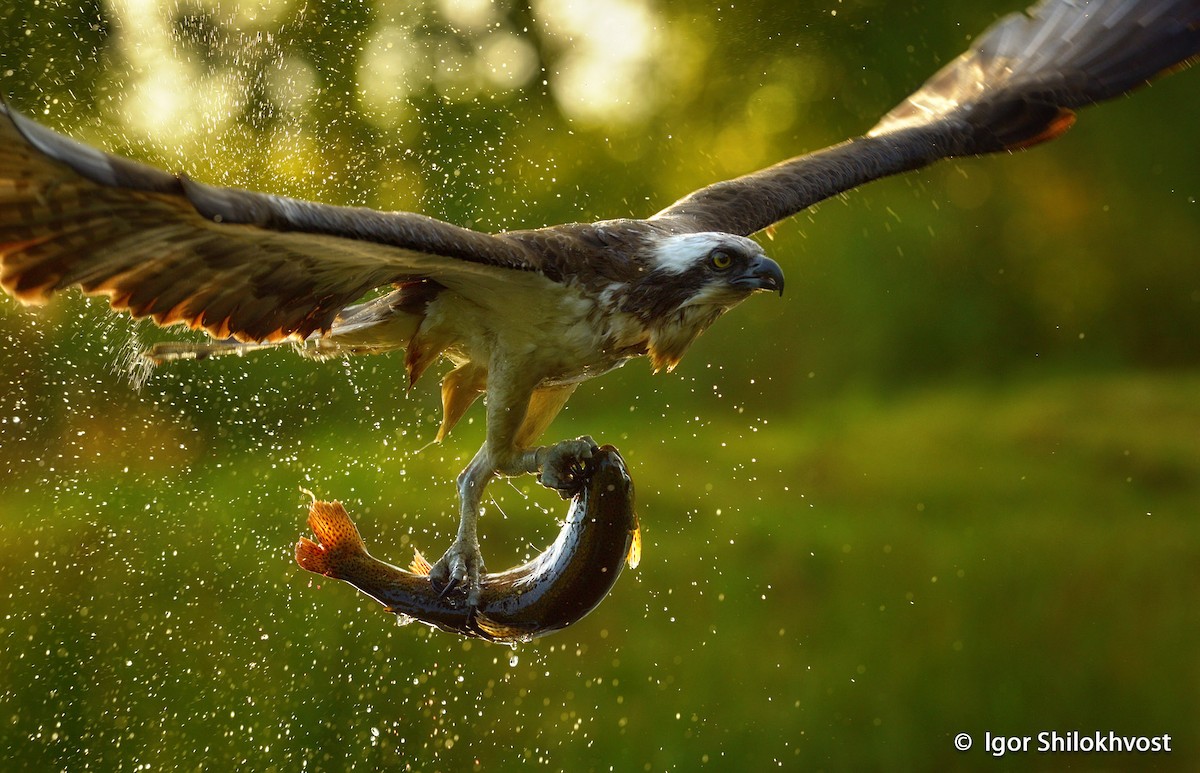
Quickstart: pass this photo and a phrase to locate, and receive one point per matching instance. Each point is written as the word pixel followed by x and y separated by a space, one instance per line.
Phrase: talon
pixel 447 589
pixel 565 467
pixel 457 572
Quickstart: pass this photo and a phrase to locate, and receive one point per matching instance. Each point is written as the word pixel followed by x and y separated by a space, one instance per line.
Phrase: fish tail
pixel 339 545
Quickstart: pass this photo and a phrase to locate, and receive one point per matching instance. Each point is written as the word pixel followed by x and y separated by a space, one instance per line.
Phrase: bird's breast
pixel 560 334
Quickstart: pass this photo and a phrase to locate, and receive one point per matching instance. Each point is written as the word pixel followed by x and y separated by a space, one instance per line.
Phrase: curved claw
pixel 458 571
pixel 564 466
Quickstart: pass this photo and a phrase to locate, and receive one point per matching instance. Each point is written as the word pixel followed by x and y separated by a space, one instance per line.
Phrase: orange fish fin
pixel 497 631
pixel 635 547
pixel 420 565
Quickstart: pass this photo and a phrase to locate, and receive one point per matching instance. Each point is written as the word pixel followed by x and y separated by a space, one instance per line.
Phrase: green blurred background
pixel 948 484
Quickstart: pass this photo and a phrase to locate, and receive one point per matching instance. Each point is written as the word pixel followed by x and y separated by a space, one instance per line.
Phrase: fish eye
pixel 720 260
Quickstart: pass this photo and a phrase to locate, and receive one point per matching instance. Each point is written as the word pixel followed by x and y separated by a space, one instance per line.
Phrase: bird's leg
pixel 515 416
pixel 462 564
pixel 508 394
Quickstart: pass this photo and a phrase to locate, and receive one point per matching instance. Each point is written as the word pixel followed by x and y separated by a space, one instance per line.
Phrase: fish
pixel 557 588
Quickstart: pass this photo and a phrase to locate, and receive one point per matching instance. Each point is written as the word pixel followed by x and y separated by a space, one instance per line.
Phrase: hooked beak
pixel 761 274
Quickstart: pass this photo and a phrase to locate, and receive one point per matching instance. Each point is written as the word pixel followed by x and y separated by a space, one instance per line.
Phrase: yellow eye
pixel 720 260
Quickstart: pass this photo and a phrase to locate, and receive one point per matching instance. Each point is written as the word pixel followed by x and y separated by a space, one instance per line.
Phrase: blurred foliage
pixel 948 484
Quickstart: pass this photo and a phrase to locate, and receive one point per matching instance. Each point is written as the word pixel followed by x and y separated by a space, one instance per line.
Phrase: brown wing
pixel 1016 87
pixel 235 263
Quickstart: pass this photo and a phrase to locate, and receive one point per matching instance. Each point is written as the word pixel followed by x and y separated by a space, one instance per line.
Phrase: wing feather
pixel 1017 86
pixel 235 263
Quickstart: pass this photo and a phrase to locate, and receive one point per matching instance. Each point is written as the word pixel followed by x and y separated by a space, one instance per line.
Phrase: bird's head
pixel 712 269
pixel 692 279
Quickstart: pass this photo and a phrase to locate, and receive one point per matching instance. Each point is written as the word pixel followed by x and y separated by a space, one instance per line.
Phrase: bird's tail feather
pixel 170 351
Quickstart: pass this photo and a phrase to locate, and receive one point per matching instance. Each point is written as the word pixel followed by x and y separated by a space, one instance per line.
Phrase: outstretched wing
pixel 1017 86
pixel 235 263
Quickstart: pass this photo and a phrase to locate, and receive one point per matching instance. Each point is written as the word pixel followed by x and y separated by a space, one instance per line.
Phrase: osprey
pixel 524 316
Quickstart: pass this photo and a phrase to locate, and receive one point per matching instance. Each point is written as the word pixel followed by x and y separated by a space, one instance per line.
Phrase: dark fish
pixel 547 594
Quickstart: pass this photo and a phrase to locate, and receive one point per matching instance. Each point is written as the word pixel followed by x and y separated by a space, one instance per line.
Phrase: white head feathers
pixel 678 253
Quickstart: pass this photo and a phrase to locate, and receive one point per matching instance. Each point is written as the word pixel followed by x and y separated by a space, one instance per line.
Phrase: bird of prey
pixel 525 316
